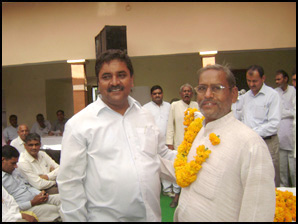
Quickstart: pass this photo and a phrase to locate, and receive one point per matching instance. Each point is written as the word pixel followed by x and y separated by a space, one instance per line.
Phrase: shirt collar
pixel 29 157
pixel 261 91
pixel 100 105
pixel 20 141
pixel 221 122
pixel 4 174
pixel 156 104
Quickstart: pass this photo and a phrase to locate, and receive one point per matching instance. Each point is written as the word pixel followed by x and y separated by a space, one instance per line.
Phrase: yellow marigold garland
pixel 186 173
pixel 285 208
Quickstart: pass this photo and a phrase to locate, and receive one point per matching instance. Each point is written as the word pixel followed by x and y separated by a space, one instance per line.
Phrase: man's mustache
pixel 121 88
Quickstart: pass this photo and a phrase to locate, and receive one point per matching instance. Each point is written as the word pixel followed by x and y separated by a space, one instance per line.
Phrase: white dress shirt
pixel 285 132
pixel 39 130
pixel 10 133
pixel 110 168
pixel 10 208
pixel 31 168
pixel 262 112
pixel 175 127
pixel 236 182
pixel 160 114
pixel 19 144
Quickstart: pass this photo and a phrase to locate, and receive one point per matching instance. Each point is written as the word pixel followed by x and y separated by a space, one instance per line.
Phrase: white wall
pixel 54 31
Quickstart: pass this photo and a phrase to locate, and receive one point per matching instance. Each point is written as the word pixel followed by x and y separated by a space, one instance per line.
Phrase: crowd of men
pixel 117 154
pixel 41 126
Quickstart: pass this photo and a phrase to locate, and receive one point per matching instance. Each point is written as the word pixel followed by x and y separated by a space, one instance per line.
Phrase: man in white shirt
pixel 287 161
pixel 160 111
pixel 19 142
pixel 110 165
pixel 261 111
pixel 11 132
pixel 39 169
pixel 175 128
pixel 236 182
pixel 41 127
pixel 11 211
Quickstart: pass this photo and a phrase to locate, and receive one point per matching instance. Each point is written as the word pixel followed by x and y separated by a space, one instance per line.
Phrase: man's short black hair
pixel 32 136
pixel 258 68
pixel 284 74
pixel 13 116
pixel 155 88
pixel 39 115
pixel 60 111
pixel 9 152
pixel 113 54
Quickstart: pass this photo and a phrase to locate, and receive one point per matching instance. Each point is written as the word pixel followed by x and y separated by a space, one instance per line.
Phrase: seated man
pixel 46 207
pixel 11 211
pixel 41 127
pixel 37 166
pixel 18 142
pixel 58 125
pixel 11 132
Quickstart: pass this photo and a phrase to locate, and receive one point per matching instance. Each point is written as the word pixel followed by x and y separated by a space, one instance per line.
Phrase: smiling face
pixel 215 105
pixel 115 83
pixel 33 147
pixel 186 94
pixel 23 131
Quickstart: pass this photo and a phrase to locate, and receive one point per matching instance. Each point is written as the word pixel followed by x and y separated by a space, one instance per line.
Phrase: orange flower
pixel 285 206
pixel 214 139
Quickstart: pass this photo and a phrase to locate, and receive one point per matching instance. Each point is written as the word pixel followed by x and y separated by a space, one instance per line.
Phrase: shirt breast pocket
pixel 208 181
pixel 147 138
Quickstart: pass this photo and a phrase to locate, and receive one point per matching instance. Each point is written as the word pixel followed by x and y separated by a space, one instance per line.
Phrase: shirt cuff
pixel 25 206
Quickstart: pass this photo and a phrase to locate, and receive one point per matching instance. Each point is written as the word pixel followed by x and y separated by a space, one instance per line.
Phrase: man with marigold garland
pixel 223 166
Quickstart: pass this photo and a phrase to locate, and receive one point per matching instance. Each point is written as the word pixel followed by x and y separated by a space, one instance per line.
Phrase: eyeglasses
pixel 215 89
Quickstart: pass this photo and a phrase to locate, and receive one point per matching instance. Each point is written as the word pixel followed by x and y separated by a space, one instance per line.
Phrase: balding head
pixel 23 131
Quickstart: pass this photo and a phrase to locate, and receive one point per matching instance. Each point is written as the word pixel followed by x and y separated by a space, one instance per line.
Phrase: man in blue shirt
pixel 262 112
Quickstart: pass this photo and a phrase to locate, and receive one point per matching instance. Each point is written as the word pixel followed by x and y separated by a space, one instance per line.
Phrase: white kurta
pixel 109 167
pixel 10 208
pixel 236 183
pixel 285 131
pixel 175 128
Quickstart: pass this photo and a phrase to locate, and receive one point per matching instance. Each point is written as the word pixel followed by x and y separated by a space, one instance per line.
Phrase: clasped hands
pixel 41 198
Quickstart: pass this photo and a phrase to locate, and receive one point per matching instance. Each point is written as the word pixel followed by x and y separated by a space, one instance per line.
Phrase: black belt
pixel 268 137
